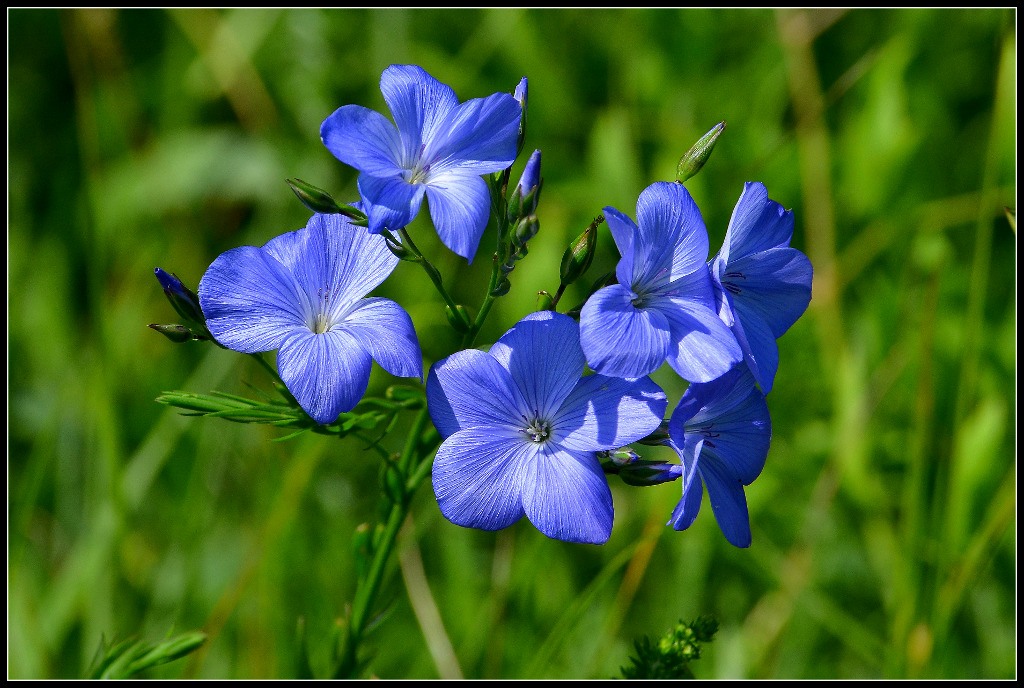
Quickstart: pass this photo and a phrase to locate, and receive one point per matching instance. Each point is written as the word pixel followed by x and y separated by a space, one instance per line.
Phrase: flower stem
pixel 428 267
pixel 419 446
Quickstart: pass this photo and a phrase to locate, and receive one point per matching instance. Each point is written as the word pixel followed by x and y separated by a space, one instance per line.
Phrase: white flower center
pixel 537 430
pixel 323 315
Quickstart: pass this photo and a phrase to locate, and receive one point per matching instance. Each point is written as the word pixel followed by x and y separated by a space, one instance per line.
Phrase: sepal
pixel 695 158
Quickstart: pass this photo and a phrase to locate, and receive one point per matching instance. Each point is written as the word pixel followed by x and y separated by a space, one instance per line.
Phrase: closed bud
pixel 526 230
pixel 403 393
pixel 362 548
pixel 184 300
pixel 400 251
pixel 313 197
pixel 580 254
pixel 647 473
pixel 695 158
pixel 520 94
pixel 545 301
pixel 623 456
pixel 394 486
pixel 658 437
pixel 458 319
pixel 319 201
pixel 527 193
pixel 176 333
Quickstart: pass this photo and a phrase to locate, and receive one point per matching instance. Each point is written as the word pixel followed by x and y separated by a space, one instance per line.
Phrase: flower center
pixel 320 323
pixel 417 175
pixel 537 430
pixel 322 317
pixel 417 171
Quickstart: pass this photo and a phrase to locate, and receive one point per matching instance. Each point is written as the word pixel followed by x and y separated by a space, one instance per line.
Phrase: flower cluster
pixel 525 430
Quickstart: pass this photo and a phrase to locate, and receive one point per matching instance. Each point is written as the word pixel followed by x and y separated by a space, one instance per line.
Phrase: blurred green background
pixel 884 522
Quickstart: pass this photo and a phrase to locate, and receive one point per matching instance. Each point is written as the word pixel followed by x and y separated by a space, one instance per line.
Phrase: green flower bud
pixel 400 250
pixel 695 158
pixel 647 473
pixel 658 437
pixel 362 548
pixel 580 254
pixel 545 301
pixel 526 230
pixel 176 333
pixel 319 201
pixel 459 319
pixel 394 486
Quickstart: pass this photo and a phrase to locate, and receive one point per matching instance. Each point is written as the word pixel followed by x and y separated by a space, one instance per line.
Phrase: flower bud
pixel 313 197
pixel 396 247
pixel 362 547
pixel 695 158
pixel 580 254
pixel 459 318
pixel 520 95
pixel 184 300
pixel 544 301
pixel 526 230
pixel 319 201
pixel 658 437
pixel 646 473
pixel 176 333
pixel 527 193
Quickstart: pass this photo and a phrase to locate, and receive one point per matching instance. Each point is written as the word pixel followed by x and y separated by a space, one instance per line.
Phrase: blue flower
pixel 761 285
pixel 721 431
pixel 436 147
pixel 663 306
pixel 302 293
pixel 522 429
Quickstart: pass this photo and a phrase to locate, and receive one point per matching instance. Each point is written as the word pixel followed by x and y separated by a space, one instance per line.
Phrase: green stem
pixel 428 267
pixel 557 296
pixel 418 448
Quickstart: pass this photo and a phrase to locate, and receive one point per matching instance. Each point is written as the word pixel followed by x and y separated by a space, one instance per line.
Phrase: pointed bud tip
pixel 691 163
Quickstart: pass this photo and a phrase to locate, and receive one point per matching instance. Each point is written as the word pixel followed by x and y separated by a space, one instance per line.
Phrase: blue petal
pixel 774 283
pixel 384 329
pixel 696 288
pixel 419 103
pixel 250 301
pixel 333 261
pixel 673 235
pixel 623 229
pixel 566 496
pixel 688 507
pixel 608 413
pixel 543 356
pixel 704 348
pixel 757 224
pixel 725 491
pixel 620 339
pixel 477 137
pixel 460 206
pixel 478 477
pixel 732 415
pixel 364 139
pixel 326 373
pixel 470 389
pixel 688 446
pixel 760 351
pixel 390 203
